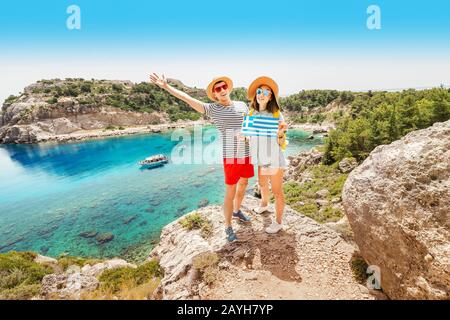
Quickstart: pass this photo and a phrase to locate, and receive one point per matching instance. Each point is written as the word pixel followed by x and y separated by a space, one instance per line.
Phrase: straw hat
pixel 258 82
pixel 209 89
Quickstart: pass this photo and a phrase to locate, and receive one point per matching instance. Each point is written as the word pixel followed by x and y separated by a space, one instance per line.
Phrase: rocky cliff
pixel 398 205
pixel 51 108
pixel 305 261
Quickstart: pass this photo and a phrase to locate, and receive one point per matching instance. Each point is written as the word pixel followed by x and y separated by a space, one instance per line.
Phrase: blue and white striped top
pixel 264 148
pixel 228 120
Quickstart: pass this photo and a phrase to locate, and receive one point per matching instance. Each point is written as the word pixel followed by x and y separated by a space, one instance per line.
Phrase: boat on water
pixel 153 161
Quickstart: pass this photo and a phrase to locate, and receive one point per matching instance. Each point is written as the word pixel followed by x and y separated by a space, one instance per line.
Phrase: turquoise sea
pixel 50 193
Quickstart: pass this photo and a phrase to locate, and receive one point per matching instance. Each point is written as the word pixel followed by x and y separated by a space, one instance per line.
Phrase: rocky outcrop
pixel 304 261
pixel 67 286
pixel 48 110
pixel 347 164
pixel 301 161
pixel 75 280
pixel 45 260
pixel 43 127
pixel 398 205
pixel 97 269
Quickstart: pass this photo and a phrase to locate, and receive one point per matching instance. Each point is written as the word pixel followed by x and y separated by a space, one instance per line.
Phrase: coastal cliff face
pixel 398 205
pixel 50 108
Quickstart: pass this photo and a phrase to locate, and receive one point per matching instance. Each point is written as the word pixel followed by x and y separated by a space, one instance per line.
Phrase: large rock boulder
pixel 20 134
pixel 398 205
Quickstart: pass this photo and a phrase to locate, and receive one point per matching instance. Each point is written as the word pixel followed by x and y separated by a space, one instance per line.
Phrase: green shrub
pixel 142 97
pixel 46 82
pixel 359 268
pixel 117 87
pixel 11 99
pixel 67 261
pixel 86 87
pixel 318 118
pixel 52 100
pixel 311 99
pixel 21 292
pixel 20 276
pixel 114 279
pixel 197 221
pixel 71 90
pixel 193 221
pixel 206 264
pixel 204 260
pixel 239 94
pixel 322 177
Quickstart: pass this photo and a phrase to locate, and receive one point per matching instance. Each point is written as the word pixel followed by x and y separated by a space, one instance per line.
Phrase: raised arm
pixel 162 83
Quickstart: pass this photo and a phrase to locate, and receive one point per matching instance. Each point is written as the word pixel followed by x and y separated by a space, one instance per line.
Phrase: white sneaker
pixel 274 227
pixel 260 209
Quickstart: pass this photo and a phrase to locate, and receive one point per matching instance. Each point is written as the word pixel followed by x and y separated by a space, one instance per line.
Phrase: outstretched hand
pixel 159 81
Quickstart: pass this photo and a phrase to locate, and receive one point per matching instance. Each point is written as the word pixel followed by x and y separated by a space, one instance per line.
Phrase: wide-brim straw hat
pixel 209 89
pixel 258 82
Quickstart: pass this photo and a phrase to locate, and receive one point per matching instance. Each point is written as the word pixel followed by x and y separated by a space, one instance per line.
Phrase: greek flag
pixel 260 126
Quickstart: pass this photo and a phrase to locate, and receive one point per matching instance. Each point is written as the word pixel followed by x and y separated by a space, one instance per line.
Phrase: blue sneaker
pixel 231 236
pixel 242 217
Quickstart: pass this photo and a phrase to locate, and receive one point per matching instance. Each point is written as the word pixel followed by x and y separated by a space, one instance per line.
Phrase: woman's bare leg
pixel 263 181
pixel 276 181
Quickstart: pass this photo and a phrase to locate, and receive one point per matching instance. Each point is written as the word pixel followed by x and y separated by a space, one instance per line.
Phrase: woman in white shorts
pixel 268 152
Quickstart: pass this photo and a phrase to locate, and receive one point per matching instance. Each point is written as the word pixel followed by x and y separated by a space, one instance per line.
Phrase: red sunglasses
pixel 219 88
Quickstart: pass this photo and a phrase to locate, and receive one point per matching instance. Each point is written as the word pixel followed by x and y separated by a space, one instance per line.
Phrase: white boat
pixel 153 161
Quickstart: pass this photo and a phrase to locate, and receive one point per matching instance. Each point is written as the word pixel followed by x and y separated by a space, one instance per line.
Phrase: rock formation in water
pixel 398 205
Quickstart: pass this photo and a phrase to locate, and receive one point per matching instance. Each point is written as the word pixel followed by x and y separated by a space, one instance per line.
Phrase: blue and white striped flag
pixel 260 126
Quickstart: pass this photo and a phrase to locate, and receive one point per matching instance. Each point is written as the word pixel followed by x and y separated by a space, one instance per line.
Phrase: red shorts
pixel 235 168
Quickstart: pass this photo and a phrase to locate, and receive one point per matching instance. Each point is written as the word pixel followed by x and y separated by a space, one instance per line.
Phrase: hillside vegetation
pixel 383 117
pixel 125 95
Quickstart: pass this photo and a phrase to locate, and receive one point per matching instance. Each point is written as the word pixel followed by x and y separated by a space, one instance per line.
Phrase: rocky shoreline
pixel 77 109
pixel 313 127
pixel 104 133
pixel 81 135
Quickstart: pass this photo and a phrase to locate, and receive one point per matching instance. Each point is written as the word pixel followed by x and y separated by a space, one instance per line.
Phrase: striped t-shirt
pixel 228 119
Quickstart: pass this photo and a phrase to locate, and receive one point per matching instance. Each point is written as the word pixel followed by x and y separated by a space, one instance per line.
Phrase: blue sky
pixel 196 40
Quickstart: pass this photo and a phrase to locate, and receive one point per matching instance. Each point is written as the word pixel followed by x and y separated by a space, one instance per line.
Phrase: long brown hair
pixel 272 105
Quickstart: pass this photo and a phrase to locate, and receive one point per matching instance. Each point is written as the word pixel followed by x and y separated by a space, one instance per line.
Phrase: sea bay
pixel 59 198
